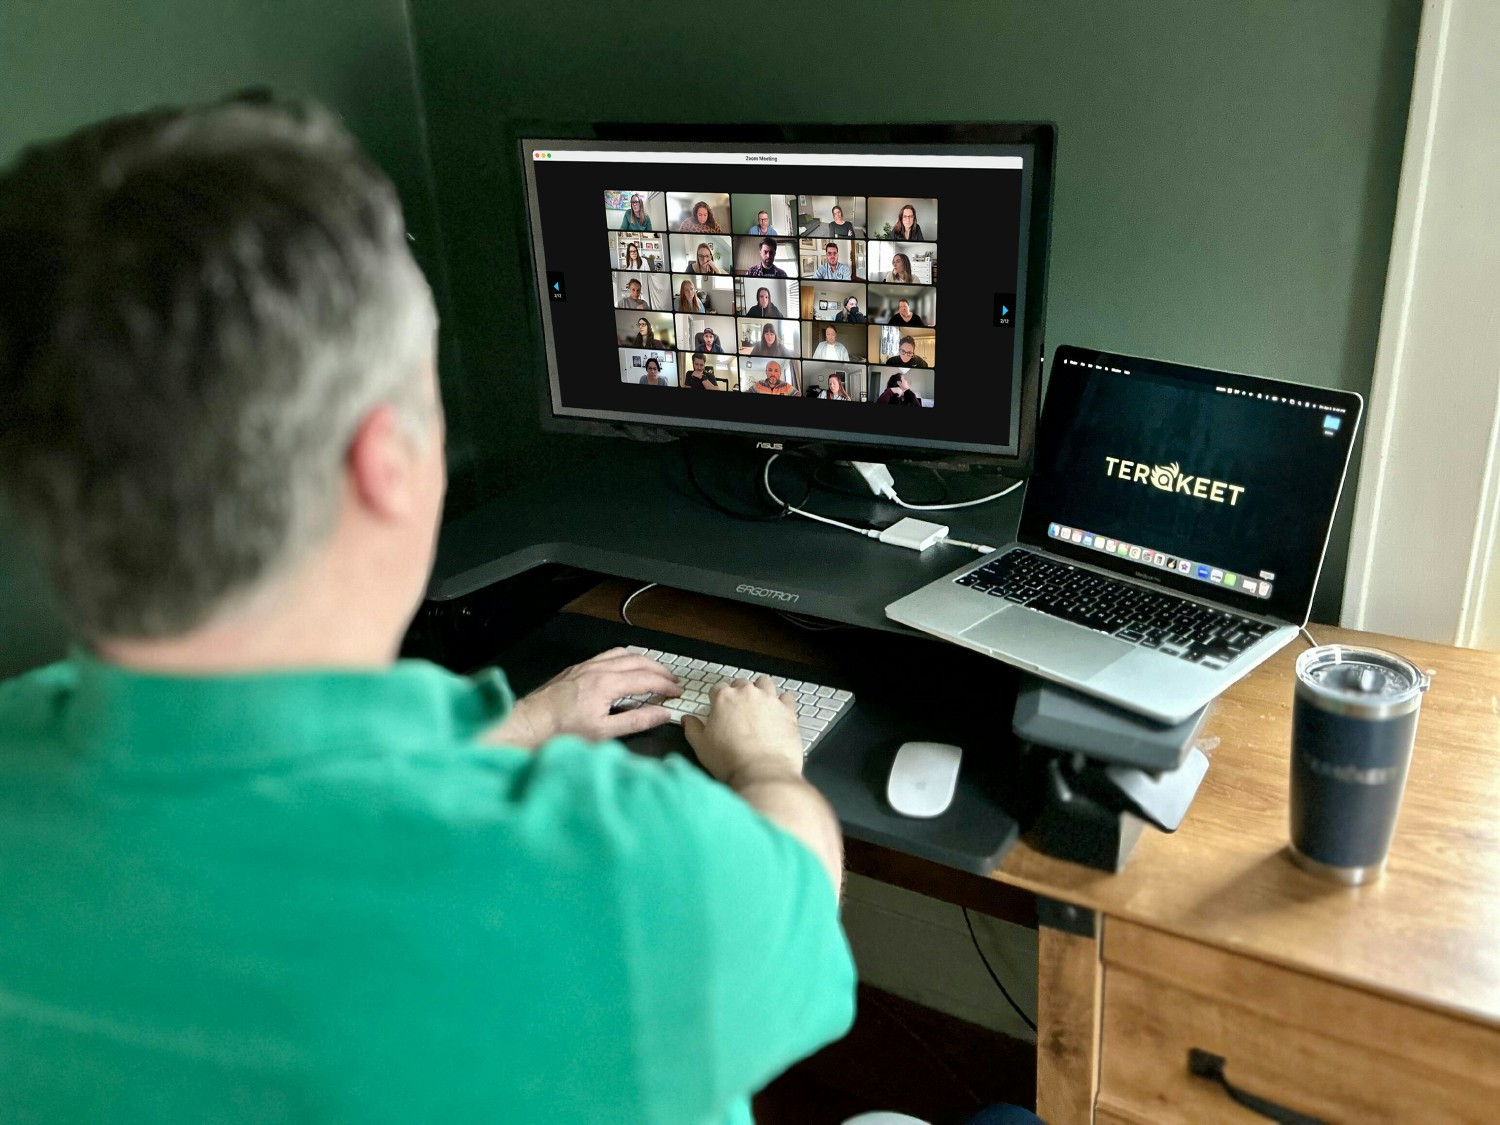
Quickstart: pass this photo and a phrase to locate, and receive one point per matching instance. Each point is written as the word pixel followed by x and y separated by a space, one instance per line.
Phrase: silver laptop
pixel 1171 537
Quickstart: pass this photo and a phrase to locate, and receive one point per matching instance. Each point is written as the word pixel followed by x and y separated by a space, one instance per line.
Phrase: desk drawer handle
pixel 1204 1064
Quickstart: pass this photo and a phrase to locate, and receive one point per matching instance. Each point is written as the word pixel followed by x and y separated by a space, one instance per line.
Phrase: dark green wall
pixel 67 62
pixel 1226 172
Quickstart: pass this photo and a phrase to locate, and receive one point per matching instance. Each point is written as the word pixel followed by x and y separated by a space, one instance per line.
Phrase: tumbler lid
pixel 1365 682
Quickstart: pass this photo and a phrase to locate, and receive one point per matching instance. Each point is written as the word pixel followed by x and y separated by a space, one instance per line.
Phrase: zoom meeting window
pixel 832 295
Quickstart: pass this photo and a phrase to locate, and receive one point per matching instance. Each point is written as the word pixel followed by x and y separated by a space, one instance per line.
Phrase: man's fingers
pixel 633 722
pixel 617 685
pixel 790 699
pixel 765 683
pixel 692 730
pixel 624 662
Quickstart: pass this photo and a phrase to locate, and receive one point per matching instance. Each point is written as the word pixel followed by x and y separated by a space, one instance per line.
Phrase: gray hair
pixel 197 309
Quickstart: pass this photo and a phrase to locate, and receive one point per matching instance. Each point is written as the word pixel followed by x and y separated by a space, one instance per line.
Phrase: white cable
pixel 894 499
pixel 1309 636
pixel 982 548
pixel 868 533
pixel 624 616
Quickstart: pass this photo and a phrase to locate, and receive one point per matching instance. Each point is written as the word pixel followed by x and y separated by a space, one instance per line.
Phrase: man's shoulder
pixel 32 702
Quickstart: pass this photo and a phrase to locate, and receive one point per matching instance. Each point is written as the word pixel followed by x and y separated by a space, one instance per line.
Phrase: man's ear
pixel 382 465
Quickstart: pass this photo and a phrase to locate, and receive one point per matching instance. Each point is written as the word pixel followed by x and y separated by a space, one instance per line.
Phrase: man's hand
pixel 749 732
pixel 578 700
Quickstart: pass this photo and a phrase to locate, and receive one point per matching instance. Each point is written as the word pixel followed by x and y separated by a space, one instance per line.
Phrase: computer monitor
pixel 871 291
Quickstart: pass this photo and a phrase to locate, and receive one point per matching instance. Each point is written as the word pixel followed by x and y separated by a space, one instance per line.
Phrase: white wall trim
pixel 1427 516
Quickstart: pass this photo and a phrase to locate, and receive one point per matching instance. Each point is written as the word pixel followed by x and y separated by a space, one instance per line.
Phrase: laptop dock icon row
pixel 1187 568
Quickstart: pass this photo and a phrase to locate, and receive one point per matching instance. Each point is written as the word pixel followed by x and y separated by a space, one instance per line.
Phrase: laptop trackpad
pixel 1045 643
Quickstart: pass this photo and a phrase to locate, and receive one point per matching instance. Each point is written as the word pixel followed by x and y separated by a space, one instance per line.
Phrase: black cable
pixel 719 506
pixel 1027 1020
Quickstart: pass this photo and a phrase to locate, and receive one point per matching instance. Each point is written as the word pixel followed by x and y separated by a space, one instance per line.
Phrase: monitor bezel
pixel 1040 136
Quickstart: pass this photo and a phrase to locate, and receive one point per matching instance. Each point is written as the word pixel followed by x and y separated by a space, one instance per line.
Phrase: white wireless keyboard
pixel 819 706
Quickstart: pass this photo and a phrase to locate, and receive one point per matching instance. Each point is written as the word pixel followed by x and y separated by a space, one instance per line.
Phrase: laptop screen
pixel 1216 484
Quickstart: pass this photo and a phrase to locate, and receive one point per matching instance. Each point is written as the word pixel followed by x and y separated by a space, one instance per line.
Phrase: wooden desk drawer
pixel 1307 1044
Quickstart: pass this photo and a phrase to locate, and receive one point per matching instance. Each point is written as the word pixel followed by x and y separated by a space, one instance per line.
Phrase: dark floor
pixel 906 1058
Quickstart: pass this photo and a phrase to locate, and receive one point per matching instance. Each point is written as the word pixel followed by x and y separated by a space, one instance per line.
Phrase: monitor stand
pixel 1096 776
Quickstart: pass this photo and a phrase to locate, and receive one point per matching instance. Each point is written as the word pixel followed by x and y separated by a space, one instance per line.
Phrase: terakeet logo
pixel 1171 478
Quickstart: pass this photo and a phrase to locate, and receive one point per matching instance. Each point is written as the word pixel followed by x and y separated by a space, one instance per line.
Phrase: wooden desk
pixel 1375 1003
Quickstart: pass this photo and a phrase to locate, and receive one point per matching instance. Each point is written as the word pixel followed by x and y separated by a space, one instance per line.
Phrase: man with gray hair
pixel 252 868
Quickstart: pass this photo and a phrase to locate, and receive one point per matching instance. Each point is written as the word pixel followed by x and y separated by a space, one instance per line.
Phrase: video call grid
pixel 675 366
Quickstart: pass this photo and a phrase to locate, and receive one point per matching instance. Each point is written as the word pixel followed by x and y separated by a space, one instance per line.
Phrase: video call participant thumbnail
pixel 902 387
pixel 700 333
pixel 648 367
pixel 698 213
pixel 905 306
pixel 635 210
pixel 761 215
pixel 840 343
pixel 833 216
pixel 822 300
pixel 769 377
pixel 903 220
pixel 914 348
pixel 757 257
pixel 833 380
pixel 765 297
pixel 637 252
pixel 779 338
pixel 702 372
pixel 903 263
pixel 834 264
pixel 644 330
pixel 700 254
pixel 695 293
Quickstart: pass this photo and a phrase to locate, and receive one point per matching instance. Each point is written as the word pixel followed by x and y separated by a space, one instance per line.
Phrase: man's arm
pixel 750 742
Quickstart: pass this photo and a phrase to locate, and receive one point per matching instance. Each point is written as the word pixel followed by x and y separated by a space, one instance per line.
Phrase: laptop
pixel 1171 536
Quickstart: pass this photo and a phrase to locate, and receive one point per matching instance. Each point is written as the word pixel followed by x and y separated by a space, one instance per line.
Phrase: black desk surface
pixel 629 509
pixel 907 690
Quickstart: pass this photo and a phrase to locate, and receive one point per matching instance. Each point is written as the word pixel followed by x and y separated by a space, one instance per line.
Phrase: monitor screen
pixel 791 292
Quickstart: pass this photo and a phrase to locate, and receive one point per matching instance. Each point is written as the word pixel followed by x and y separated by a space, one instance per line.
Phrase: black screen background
pixel 1159 414
pixel 976 376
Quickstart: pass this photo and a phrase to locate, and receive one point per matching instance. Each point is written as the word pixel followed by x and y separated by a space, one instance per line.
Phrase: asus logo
pixel 762 592
pixel 768 445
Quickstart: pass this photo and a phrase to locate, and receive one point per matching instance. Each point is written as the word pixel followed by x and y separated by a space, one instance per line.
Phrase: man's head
pixel 699 362
pixel 216 362
pixel 767 251
pixel 763 220
pixel 831 252
pixel 635 289
pixel 773 372
pixel 908 348
pixel 709 337
pixel 905 307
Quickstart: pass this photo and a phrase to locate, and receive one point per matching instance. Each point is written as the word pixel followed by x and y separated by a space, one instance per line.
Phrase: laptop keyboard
pixel 1193 632
pixel 819 706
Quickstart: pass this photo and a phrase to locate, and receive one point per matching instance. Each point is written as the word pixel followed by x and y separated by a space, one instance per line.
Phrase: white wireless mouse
pixel 923 778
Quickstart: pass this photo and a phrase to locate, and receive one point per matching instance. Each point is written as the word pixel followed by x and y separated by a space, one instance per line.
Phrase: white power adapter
pixel 877 476
pixel 918 535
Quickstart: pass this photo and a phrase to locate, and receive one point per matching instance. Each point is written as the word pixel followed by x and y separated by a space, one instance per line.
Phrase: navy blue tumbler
pixel 1354 719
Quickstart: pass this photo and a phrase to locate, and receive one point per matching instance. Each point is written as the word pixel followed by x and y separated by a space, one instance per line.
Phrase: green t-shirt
pixel 313 897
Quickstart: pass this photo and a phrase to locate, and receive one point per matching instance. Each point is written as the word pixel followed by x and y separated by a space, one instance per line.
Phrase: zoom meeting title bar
pixel 779 159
